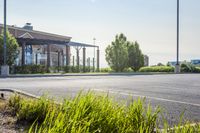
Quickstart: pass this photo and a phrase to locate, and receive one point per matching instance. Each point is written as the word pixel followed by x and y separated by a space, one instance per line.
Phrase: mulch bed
pixel 8 122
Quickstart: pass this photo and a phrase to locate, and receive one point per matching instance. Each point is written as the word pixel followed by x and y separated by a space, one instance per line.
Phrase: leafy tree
pixel 117 53
pixel 136 58
pixel 12 49
pixel 160 64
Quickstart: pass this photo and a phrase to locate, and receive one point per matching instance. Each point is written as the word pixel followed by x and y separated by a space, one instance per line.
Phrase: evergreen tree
pixel 136 58
pixel 117 53
pixel 12 49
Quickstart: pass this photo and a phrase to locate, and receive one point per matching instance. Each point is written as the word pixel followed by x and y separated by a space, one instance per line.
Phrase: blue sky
pixel 151 22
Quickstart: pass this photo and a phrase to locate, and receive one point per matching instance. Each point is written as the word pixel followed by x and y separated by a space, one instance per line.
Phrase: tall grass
pixel 87 113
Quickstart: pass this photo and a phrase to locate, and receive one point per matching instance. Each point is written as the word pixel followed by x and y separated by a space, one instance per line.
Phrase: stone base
pixel 177 69
pixel 5 71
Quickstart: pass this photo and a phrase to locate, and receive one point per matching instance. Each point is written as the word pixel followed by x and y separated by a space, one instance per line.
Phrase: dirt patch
pixel 8 122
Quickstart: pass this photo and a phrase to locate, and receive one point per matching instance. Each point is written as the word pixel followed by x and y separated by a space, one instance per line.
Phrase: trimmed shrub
pixel 108 69
pixel 128 70
pixel 75 69
pixel 157 69
pixel 197 70
pixel 30 69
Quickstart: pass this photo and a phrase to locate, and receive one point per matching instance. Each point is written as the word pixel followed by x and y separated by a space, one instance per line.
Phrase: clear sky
pixel 151 22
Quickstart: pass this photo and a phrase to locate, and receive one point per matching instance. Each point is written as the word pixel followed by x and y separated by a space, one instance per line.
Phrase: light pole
pixel 4 52
pixel 5 67
pixel 177 67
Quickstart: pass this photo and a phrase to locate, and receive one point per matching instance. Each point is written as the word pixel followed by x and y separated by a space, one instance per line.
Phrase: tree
pixel 160 64
pixel 117 53
pixel 12 49
pixel 136 58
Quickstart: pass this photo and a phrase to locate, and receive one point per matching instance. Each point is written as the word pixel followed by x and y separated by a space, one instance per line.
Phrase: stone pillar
pixel 23 53
pixel 98 54
pixel 36 58
pixel 58 61
pixel 93 64
pixel 78 59
pixel 73 61
pixel 68 55
pixel 84 59
pixel 48 56
pixel 88 63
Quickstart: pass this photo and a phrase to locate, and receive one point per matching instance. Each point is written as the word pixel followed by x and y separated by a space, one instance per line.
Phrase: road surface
pixel 174 93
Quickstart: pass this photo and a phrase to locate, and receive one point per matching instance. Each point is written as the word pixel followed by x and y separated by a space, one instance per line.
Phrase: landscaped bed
pixel 8 121
pixel 87 112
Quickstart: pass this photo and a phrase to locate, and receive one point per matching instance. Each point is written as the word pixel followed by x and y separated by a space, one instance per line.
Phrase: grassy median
pixel 90 113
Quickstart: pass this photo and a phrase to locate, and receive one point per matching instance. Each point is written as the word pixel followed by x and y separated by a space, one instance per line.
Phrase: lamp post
pixel 5 67
pixel 4 52
pixel 177 67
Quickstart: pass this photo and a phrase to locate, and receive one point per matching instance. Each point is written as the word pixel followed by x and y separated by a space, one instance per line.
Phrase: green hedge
pixel 106 70
pixel 185 68
pixel 30 69
pixel 197 70
pixel 71 69
pixel 157 69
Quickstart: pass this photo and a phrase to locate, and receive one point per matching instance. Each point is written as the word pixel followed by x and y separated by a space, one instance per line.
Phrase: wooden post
pixel 23 53
pixel 36 58
pixel 73 61
pixel 84 59
pixel 78 59
pixel 48 56
pixel 98 53
pixel 89 64
pixel 93 64
pixel 67 55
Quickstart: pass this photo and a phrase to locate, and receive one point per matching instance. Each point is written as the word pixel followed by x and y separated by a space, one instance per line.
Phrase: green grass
pixel 89 113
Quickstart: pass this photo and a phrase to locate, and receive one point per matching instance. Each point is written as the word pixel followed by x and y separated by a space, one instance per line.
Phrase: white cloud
pixel 93 1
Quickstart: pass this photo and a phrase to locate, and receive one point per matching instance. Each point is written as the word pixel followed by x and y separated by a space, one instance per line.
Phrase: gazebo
pixel 48 49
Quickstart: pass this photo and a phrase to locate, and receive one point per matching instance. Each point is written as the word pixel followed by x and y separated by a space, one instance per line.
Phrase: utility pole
pixel 177 67
pixel 5 67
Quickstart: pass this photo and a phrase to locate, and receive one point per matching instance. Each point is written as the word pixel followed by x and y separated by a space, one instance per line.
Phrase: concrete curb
pixel 20 93
pixel 84 75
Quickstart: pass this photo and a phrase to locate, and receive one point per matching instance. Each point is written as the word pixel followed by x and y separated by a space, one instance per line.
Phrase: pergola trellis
pixel 30 37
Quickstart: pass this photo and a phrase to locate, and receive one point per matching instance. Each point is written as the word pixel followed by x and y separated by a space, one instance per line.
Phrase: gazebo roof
pixel 38 37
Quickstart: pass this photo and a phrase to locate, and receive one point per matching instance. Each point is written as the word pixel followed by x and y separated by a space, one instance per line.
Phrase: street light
pixel 4 33
pixel 177 68
pixel 5 67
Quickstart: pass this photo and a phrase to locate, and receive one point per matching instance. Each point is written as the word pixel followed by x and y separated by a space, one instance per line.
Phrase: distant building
pixel 146 60
pixel 195 62
pixel 172 63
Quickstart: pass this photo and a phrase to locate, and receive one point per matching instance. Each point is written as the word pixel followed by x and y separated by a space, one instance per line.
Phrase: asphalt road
pixel 173 93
